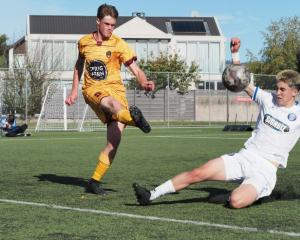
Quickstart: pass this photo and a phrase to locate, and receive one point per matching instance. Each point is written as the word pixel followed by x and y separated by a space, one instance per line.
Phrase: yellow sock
pixel 102 167
pixel 124 116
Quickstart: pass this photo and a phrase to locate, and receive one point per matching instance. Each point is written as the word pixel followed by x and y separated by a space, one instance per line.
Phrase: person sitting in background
pixel 9 125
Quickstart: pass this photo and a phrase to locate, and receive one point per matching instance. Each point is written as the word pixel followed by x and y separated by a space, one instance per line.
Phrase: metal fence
pixel 165 107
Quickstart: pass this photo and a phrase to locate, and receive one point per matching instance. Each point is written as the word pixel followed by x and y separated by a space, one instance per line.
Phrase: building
pixel 51 41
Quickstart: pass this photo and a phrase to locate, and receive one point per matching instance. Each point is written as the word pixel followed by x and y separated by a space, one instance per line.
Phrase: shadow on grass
pixel 221 196
pixel 216 195
pixel 66 180
pixel 288 194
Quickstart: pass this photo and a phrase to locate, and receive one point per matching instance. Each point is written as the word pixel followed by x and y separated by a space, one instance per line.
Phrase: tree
pixel 27 79
pixel 254 65
pixel 3 50
pixel 281 43
pixel 14 93
pixel 169 70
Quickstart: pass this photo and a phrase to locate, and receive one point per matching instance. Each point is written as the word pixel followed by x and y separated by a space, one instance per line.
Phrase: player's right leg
pixel 211 170
pixel 132 117
pixel 139 119
pixel 111 104
pixel 259 181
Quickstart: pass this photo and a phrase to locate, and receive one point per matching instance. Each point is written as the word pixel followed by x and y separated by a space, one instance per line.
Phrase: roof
pixel 54 24
pixel 19 46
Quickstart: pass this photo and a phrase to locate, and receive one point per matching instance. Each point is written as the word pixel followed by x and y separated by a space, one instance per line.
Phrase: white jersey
pixel 277 128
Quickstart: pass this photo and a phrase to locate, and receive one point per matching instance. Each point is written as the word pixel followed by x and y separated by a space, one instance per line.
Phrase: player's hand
pixel 71 98
pixel 235 44
pixel 148 86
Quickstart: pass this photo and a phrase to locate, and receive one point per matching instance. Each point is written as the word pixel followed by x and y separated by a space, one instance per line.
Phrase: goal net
pixel 55 115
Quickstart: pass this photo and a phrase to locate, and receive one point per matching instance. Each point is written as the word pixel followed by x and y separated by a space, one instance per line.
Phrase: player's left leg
pixel 243 196
pixel 114 133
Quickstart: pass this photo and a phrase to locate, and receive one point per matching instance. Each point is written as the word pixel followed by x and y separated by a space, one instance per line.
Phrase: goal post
pixel 55 115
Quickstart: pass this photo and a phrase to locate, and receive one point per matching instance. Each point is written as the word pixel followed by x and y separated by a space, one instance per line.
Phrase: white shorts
pixel 253 169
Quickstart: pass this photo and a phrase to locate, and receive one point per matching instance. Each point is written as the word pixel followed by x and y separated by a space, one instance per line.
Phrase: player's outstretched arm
pixel 235 45
pixel 141 77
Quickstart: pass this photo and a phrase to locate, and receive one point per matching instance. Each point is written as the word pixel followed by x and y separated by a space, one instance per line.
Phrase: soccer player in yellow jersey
pixel 101 54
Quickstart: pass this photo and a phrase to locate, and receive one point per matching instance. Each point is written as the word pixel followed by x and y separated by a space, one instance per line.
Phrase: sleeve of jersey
pixel 260 96
pixel 127 55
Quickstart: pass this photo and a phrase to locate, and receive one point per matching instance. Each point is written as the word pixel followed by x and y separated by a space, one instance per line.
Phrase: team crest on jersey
pixel 108 54
pixel 97 70
pixel 97 94
pixel 292 117
pixel 275 123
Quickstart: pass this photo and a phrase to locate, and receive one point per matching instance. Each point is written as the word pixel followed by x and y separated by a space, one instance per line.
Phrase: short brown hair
pixel 290 77
pixel 107 10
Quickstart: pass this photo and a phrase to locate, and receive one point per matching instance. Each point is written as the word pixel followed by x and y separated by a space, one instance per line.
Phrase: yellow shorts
pixel 94 94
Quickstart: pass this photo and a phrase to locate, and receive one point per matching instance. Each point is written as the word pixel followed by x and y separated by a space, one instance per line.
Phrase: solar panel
pixel 188 27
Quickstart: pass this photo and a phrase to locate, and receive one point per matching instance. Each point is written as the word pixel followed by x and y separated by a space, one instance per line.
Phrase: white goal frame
pixel 55 115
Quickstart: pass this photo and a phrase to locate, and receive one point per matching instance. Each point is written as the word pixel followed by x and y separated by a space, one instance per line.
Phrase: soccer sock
pixel 162 189
pixel 124 116
pixel 102 167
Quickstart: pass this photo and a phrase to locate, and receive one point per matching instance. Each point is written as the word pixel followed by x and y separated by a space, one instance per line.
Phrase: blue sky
pixel 245 18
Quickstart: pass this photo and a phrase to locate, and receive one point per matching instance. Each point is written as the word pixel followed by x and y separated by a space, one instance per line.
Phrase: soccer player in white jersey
pixel 276 133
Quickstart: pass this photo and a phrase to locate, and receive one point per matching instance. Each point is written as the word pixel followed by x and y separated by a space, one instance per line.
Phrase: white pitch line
pixel 152 218
pixel 157 136
pixel 200 137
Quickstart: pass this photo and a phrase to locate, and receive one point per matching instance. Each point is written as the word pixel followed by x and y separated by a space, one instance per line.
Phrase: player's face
pixel 285 94
pixel 106 26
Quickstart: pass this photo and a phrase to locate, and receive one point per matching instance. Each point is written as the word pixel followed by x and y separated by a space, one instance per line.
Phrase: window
pixel 214 57
pixel 148 49
pixel 181 50
pixel 47 55
pixel 184 26
pixel 203 56
pixel 153 49
pixel 58 56
pixel 71 55
pixel 163 46
pixel 131 44
pixel 192 53
pixel 141 50
pixel 35 51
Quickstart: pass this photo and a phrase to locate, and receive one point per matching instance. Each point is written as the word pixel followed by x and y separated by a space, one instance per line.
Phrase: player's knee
pixel 237 201
pixel 110 105
pixel 112 147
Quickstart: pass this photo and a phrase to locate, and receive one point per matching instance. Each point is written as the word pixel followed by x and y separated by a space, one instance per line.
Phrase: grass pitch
pixel 43 177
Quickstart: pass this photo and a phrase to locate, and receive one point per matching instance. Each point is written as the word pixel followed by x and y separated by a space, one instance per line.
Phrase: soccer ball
pixel 236 77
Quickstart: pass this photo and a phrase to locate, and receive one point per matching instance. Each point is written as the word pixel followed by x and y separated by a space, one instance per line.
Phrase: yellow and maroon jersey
pixel 103 62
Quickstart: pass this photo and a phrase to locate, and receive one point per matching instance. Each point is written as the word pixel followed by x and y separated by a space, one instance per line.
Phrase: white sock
pixel 162 189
